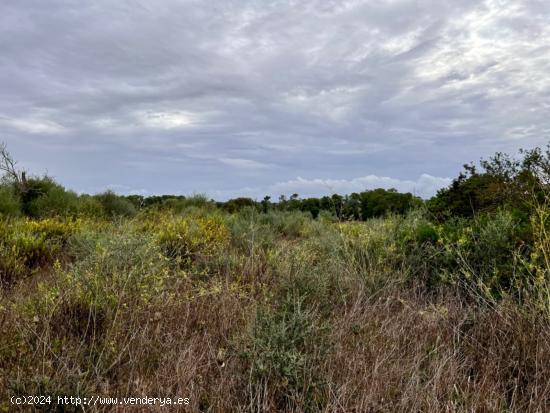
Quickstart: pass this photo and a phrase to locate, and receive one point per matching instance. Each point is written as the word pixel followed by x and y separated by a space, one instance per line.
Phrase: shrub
pixel 54 230
pixel 115 260
pixel 27 245
pixel 426 233
pixel 37 187
pixel 190 238
pixel 316 269
pixel 90 206
pixel 250 231
pixel 114 205
pixel 11 266
pixel 374 248
pixel 482 255
pixel 34 250
pixel 288 224
pixel 21 254
pixel 115 272
pixel 10 203
pixel 500 181
pixel 56 201
pixel 282 352
pixel 180 204
pixel 237 204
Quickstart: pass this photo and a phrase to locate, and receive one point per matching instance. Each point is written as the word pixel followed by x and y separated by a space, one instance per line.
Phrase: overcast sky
pixel 247 98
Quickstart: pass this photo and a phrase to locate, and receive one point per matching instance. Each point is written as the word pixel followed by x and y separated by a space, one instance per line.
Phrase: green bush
pixel 181 204
pixel 316 269
pixel 486 250
pixel 250 231
pixel 291 224
pixel 114 205
pixel 10 203
pixel 282 352
pixel 480 254
pixel 190 238
pixel 36 188
pixel 114 267
pixel 426 233
pixel 26 246
pixel 23 253
pixel 90 206
pixel 56 201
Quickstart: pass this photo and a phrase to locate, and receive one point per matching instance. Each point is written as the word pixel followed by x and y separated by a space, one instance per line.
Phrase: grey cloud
pixel 182 96
pixel 424 186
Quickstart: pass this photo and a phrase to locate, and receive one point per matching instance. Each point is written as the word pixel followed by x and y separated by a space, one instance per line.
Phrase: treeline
pixel 502 181
pixel 499 182
pixel 43 197
pixel 39 197
pixel 357 206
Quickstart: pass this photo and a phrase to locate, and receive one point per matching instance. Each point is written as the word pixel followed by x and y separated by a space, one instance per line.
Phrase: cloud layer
pixel 425 186
pixel 221 97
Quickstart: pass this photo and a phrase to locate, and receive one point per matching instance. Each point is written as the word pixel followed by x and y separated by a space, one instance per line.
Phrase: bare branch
pixel 9 166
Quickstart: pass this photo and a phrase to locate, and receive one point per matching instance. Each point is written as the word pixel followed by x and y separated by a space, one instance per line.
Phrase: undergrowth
pixel 277 311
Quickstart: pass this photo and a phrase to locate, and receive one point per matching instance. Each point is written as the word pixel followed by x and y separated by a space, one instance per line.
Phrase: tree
pixel 266 203
pixel 311 205
pixel 294 202
pixel 237 204
pixel 11 173
pixel 501 181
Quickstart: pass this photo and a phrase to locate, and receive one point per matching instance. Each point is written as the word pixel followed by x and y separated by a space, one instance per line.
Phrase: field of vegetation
pixel 372 302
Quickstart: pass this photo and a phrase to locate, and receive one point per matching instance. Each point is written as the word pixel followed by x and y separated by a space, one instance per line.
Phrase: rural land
pixel 377 301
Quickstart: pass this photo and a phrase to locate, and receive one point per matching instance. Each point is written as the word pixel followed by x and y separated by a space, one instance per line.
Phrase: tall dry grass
pixel 277 312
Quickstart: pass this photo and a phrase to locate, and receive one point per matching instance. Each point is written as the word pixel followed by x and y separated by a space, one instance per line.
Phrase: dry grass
pixel 404 352
pixel 294 323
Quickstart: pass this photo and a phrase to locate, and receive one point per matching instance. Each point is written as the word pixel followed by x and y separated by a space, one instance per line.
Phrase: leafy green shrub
pixel 56 201
pixel 282 352
pixel 480 254
pixel 486 252
pixel 180 204
pixel 250 231
pixel 37 187
pixel 426 233
pixel 34 250
pixel 114 205
pixel 10 203
pixel 115 273
pixel 54 231
pixel 501 181
pixel 288 224
pixel 90 206
pixel 112 266
pixel 85 244
pixel 316 269
pixel 238 204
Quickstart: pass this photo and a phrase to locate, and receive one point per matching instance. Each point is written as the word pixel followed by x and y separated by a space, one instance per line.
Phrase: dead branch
pixel 9 167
